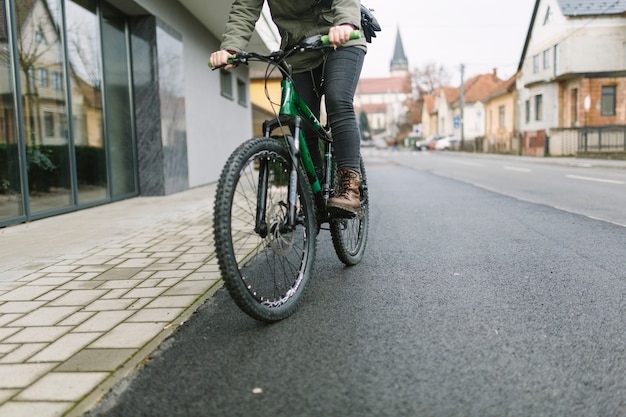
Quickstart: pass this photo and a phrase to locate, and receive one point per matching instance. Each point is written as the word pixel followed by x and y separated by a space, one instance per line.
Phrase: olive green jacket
pixel 296 20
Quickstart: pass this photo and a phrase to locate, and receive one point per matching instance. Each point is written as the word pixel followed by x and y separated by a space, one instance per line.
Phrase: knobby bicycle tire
pixel 266 274
pixel 349 235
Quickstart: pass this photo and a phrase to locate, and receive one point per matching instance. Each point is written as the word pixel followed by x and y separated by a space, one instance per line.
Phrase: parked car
pixel 428 143
pixel 448 143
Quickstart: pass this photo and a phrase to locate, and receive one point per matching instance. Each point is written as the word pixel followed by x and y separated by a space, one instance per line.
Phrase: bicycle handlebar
pixel 313 43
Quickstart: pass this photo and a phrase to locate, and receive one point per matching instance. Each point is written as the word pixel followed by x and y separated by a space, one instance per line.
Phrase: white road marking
pixel 579 177
pixel 518 169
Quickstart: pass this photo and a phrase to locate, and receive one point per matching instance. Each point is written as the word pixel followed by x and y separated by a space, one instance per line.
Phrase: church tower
pixel 399 63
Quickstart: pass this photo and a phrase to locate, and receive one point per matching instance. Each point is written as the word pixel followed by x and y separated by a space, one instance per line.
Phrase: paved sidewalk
pixel 85 297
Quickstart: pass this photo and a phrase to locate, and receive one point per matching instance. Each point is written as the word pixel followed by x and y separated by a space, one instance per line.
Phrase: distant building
pixel 573 77
pixel 385 100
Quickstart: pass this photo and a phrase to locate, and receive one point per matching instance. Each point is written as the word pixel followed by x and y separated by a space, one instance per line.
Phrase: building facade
pixel 385 100
pixel 109 99
pixel 573 72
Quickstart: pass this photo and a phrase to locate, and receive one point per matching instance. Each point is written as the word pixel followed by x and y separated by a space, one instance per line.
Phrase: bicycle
pixel 270 204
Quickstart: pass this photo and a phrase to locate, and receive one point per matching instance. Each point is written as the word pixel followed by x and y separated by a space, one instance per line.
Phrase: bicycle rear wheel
pixel 349 235
pixel 266 268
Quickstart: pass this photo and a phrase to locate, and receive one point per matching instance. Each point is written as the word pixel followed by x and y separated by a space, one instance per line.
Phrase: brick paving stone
pixel 22 374
pixel 129 335
pixel 65 347
pixel 86 276
pixel 5 332
pixel 143 275
pixel 23 353
pixel 80 285
pixel 106 305
pixel 78 297
pixel 118 284
pixel 94 260
pixel 103 321
pixel 45 316
pixel 118 274
pixel 114 251
pixel 169 282
pixel 150 315
pixel 52 295
pixel 31 277
pixel 150 283
pixel 173 301
pixel 6 394
pixel 136 263
pixel 140 303
pixel 26 293
pixel 114 294
pixel 170 274
pixel 92 268
pixel 7 347
pixel 62 386
pixel 191 265
pixel 96 360
pixel 51 280
pixel 77 318
pixel 59 268
pixel 190 288
pixel 168 266
pixel 38 334
pixel 31 409
pixel 8 318
pixel 145 292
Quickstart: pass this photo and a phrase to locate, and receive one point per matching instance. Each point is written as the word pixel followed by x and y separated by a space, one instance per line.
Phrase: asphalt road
pixel 469 303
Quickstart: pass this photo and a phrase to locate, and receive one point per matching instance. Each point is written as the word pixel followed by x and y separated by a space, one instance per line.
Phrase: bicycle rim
pixel 349 235
pixel 267 273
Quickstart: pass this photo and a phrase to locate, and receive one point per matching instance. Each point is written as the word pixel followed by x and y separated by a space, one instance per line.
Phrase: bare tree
pixel 430 77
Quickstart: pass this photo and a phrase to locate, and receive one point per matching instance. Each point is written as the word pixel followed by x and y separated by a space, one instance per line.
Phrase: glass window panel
pixel 83 45
pixel 11 196
pixel 172 98
pixel 40 48
pixel 608 101
pixel 118 103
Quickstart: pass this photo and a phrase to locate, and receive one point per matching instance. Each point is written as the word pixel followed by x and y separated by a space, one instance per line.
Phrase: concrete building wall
pixel 215 124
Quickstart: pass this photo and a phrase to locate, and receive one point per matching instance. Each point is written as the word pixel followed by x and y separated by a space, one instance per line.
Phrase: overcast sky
pixel 481 34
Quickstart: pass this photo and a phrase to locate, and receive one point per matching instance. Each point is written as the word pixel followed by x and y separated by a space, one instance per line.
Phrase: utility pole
pixel 462 106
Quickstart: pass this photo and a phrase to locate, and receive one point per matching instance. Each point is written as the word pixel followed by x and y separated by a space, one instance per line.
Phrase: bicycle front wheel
pixel 265 265
pixel 350 234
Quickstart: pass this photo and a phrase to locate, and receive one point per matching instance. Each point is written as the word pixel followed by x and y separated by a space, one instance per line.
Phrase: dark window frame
pixel 226 84
pixel 608 101
pixel 539 107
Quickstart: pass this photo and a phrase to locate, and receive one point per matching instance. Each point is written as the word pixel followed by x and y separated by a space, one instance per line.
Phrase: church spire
pixel 399 63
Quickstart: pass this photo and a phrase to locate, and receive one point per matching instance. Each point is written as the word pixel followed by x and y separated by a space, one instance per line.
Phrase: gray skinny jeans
pixel 337 78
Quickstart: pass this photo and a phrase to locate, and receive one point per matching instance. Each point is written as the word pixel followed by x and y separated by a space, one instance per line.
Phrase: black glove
pixel 369 24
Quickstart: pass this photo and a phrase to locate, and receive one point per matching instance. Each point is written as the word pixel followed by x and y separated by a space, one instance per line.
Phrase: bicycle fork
pixel 290 220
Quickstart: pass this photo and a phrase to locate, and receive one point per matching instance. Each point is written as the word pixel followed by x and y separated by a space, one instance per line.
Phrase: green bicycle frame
pixel 293 110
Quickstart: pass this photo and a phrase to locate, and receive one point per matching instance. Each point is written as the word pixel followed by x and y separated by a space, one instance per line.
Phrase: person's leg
pixel 308 87
pixel 342 72
pixel 341 76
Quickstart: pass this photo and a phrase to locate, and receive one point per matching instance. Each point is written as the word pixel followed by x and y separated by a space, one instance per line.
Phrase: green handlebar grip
pixel 356 34
pixel 230 58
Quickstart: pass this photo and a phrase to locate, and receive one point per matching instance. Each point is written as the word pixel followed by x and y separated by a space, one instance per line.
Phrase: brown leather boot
pixel 347 199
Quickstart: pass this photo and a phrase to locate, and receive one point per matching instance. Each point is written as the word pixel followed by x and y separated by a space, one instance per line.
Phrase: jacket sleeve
pixel 241 22
pixel 347 11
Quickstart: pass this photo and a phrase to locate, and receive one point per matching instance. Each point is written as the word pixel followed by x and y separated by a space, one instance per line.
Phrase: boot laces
pixel 345 177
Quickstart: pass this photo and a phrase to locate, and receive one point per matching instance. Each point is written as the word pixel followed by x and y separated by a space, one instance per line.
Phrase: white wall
pixel 215 125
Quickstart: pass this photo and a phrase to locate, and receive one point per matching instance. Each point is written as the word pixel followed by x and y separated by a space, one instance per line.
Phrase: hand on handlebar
pixel 220 58
pixel 338 35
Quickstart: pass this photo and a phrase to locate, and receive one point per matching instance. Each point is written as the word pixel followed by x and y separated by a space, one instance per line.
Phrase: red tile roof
pixel 384 85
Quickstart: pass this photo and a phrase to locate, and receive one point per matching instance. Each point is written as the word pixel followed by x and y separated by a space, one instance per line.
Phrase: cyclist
pixel 333 73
